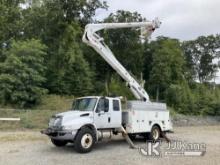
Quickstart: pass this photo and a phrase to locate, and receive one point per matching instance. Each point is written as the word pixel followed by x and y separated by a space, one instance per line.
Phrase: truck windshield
pixel 85 104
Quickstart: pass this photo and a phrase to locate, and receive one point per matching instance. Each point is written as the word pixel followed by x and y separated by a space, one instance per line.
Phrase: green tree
pixel 180 97
pixel 81 11
pixel 78 78
pixel 22 73
pixel 116 87
pixel 167 66
pixel 125 42
pixel 10 23
pixel 199 56
pixel 72 74
pixel 59 24
pixel 206 99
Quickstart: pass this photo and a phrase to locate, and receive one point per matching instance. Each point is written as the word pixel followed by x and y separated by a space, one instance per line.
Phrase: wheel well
pixel 157 126
pixel 90 126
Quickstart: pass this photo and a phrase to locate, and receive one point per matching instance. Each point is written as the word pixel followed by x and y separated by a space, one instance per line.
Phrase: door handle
pixel 109 119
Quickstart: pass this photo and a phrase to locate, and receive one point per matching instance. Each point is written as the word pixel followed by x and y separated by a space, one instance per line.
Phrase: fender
pixel 92 126
pixel 159 124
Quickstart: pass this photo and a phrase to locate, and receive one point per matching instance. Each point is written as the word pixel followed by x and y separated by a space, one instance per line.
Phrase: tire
pixel 84 140
pixel 155 134
pixel 58 143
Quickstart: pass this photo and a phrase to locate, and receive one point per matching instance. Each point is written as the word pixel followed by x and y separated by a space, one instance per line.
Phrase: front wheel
pixel 85 140
pixel 58 143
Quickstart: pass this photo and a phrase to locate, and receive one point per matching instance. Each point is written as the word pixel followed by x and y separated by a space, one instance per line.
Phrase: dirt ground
pixel 32 148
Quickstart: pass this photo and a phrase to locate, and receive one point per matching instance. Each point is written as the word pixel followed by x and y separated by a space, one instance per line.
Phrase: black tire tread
pixel 77 142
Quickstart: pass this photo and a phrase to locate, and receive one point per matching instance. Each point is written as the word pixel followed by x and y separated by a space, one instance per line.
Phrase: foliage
pixel 22 73
pixel 167 80
pixel 199 56
pixel 30 119
pixel 207 100
pixel 125 43
pixel 10 23
pixel 41 50
pixel 180 98
pixel 67 63
pixel 55 103
pixel 75 10
pixel 167 66
pixel 117 88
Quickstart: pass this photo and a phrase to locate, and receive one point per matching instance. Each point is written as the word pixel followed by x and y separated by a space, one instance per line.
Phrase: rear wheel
pixel 85 140
pixel 58 143
pixel 155 133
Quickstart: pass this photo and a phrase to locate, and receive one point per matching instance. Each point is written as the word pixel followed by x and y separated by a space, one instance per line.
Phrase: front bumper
pixel 60 134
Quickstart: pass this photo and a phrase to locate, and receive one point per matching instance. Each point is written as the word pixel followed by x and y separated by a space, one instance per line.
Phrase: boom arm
pixel 92 39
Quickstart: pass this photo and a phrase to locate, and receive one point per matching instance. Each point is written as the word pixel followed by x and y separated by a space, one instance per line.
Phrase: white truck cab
pixel 88 114
pixel 101 112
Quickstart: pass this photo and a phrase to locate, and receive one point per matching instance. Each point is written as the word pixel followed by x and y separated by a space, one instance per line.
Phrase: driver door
pixel 102 114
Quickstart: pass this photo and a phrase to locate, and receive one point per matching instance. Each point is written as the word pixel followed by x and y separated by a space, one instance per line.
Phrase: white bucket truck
pixel 93 117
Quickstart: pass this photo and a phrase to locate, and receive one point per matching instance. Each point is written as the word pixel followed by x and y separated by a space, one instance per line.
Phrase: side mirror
pixel 98 109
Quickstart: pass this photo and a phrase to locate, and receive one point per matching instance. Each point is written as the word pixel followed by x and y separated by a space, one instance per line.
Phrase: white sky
pixel 181 19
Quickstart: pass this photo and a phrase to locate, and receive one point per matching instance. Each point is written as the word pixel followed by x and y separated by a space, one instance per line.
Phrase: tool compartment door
pixel 134 121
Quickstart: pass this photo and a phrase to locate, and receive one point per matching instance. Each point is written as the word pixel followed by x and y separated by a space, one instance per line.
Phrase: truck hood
pixel 74 113
pixel 75 119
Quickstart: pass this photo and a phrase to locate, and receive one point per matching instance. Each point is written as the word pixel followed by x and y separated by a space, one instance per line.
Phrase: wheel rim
pixel 86 140
pixel 155 134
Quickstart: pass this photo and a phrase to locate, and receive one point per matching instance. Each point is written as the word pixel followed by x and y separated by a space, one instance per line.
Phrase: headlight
pixel 51 122
pixel 55 121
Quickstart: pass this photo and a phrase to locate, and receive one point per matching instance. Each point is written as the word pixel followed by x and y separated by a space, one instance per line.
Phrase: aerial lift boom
pixel 92 39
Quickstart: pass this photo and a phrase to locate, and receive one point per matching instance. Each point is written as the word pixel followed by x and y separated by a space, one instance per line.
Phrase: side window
pixel 103 105
pixel 116 106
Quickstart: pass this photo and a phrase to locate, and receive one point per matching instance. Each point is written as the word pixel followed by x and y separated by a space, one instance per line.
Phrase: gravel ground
pixel 183 120
pixel 32 148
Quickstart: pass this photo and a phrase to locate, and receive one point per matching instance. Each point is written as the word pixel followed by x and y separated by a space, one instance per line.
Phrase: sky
pixel 181 19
